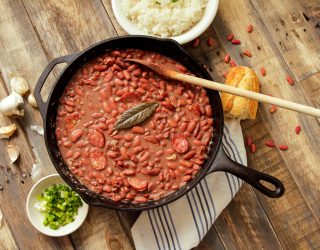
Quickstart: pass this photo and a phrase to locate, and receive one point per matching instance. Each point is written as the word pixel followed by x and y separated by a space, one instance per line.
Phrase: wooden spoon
pixel 162 70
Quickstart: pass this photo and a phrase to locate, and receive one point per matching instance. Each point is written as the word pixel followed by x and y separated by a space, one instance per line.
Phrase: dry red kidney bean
pixel 249 28
pixel 298 129
pixel 283 147
pixel 290 80
pixel 236 42
pixel 233 63
pixel 196 42
pixel 247 53
pixel 263 71
pixel 253 148
pixel 249 141
pixel 273 109
pixel 230 37
pixel 227 58
pixel 270 143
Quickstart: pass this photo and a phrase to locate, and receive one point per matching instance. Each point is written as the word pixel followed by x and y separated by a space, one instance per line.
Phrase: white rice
pixel 164 18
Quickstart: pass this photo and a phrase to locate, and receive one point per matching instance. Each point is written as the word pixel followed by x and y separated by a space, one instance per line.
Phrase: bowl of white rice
pixel 181 20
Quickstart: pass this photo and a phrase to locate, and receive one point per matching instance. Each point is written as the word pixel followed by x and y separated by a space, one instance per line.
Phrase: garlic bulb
pixel 19 85
pixel 12 105
pixel 32 101
pixel 13 153
pixel 37 129
pixel 7 131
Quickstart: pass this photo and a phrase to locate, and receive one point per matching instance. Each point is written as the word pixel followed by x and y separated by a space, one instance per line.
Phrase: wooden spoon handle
pixel 245 93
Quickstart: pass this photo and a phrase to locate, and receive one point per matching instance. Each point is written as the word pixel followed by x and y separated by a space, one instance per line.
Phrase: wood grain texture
pixel 293 35
pixel 16 188
pixel 289 215
pixel 7 241
pixel 74 26
pixel 228 224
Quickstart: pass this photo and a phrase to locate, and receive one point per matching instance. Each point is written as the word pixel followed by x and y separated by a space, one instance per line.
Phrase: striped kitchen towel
pixel 183 223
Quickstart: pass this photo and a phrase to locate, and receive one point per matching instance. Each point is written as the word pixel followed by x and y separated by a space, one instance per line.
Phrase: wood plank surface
pixel 74 26
pixel 285 41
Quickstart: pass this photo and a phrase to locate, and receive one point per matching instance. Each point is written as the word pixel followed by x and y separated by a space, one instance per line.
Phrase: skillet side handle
pixel 252 177
pixel 43 106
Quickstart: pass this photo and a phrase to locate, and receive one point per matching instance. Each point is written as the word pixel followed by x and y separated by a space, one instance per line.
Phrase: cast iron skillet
pixel 216 160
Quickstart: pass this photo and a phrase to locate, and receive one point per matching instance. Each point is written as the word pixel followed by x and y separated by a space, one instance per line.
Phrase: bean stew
pixel 148 160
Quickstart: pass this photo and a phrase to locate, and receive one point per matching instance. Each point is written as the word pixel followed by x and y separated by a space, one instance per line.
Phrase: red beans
pixel 137 130
pixel 191 126
pixel 144 162
pixel 76 134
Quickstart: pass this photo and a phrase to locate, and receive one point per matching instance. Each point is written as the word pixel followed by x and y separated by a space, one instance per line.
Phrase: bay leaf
pixel 136 115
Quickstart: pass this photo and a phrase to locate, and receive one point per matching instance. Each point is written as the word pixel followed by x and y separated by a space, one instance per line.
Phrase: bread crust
pixel 237 106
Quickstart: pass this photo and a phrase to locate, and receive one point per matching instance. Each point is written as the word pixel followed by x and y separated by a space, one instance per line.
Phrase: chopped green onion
pixel 59 205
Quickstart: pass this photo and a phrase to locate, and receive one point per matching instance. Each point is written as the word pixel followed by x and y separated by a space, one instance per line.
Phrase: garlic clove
pixel 39 130
pixel 19 85
pixel 7 131
pixel 13 153
pixel 12 105
pixel 32 101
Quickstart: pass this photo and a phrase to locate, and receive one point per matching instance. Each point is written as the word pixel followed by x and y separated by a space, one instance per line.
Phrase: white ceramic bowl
pixel 35 216
pixel 191 34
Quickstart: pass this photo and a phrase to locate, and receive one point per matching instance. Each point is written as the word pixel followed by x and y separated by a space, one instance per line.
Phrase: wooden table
pixel 285 41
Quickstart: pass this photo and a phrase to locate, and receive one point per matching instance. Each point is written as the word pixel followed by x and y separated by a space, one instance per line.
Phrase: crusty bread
pixel 237 106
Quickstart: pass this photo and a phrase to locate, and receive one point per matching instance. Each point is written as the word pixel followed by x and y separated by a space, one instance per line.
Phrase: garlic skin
pixel 36 172
pixel 7 131
pixel 32 101
pixel 39 130
pixel 19 85
pixel 13 153
pixel 12 105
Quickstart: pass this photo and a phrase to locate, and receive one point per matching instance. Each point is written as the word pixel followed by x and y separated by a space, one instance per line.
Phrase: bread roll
pixel 237 106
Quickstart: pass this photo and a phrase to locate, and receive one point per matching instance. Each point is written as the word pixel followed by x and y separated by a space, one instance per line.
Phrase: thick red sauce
pixel 149 160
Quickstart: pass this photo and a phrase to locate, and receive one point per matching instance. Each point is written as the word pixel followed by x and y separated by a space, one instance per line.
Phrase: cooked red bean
pixel 137 130
pixel 147 161
pixel 76 134
pixel 191 126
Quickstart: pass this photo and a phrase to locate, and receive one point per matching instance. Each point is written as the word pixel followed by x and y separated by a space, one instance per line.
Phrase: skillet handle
pixel 43 105
pixel 252 177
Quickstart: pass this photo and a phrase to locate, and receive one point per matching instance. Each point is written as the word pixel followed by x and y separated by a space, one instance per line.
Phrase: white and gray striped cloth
pixel 183 223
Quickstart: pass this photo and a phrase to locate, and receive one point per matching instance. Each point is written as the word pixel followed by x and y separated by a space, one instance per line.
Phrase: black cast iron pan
pixel 216 160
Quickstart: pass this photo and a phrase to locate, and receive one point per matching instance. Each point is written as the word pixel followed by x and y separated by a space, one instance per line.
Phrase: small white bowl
pixel 191 34
pixel 36 217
